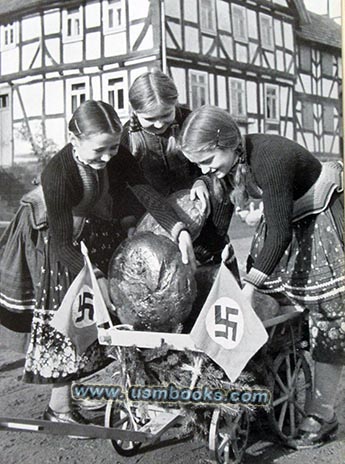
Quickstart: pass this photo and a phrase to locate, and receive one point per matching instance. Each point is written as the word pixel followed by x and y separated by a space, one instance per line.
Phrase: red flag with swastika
pixel 81 307
pixel 228 329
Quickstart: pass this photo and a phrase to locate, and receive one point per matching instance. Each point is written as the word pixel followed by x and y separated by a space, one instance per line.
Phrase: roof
pixel 322 30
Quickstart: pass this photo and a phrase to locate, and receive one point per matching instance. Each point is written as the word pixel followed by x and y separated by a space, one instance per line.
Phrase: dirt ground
pixel 28 401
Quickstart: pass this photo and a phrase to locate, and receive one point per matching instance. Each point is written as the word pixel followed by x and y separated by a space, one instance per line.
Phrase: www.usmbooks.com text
pixel 170 394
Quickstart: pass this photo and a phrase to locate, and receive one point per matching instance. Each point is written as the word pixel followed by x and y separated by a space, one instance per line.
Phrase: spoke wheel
pixel 290 382
pixel 120 415
pixel 228 436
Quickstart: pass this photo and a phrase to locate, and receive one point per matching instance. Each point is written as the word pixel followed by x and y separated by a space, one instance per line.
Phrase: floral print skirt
pixel 52 357
pixel 312 274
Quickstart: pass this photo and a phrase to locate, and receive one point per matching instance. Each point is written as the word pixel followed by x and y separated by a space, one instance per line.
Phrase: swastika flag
pixel 228 329
pixel 81 307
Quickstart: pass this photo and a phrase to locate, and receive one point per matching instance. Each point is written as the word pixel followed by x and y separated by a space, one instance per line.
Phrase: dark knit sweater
pixel 167 173
pixel 284 170
pixel 63 190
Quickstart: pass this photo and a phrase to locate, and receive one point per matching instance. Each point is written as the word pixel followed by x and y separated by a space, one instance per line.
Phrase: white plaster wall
pixel 172 8
pixel 134 33
pixel 115 44
pixel 222 84
pixel 96 88
pixel 223 15
pixel 179 77
pixel 138 9
pixel 51 22
pixel 93 14
pixel 10 61
pixel 29 51
pixel 32 95
pixel 55 130
pixel 72 52
pixel 191 39
pixel 252 97
pixel 55 98
pixel 93 45
pixel 191 10
pixel 252 24
pixel 31 27
pixel 53 46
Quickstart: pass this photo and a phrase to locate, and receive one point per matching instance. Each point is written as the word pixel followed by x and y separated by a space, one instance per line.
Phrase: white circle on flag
pixel 224 323
pixel 83 308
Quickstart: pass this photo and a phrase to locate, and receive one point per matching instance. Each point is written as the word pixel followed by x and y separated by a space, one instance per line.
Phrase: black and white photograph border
pixel 274 65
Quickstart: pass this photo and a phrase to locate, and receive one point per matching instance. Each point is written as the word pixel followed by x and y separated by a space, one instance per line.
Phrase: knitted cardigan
pixel 63 190
pixel 284 171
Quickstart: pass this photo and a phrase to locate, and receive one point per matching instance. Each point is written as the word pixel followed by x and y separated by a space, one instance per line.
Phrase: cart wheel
pixel 228 436
pixel 290 382
pixel 120 415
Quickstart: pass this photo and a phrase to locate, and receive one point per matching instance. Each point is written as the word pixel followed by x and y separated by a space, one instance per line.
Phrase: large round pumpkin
pixel 149 285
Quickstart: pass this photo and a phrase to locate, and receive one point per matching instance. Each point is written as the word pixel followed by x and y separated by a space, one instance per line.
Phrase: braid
pixel 137 142
pixel 239 195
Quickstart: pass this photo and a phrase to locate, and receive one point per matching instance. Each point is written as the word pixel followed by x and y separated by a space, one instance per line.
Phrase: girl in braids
pixel 151 136
pixel 88 189
pixel 298 248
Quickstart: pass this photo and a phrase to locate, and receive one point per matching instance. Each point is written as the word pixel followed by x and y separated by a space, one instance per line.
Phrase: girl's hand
pixel 186 248
pixel 200 191
pixel 248 293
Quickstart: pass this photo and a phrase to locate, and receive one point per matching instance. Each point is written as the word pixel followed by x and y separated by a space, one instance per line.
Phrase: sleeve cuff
pixel 175 232
pixel 255 277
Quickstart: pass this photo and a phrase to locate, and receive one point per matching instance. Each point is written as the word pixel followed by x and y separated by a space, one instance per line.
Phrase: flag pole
pixel 103 318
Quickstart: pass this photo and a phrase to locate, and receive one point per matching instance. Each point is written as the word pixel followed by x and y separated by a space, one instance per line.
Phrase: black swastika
pixel 85 306
pixel 228 324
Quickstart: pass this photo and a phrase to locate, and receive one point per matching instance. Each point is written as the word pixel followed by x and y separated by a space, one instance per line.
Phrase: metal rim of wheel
pixel 290 382
pixel 228 436
pixel 119 415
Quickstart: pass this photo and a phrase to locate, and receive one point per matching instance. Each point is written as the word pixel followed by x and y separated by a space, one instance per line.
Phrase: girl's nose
pixel 106 158
pixel 158 124
pixel 205 169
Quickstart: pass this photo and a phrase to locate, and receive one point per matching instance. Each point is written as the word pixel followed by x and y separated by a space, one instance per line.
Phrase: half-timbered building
pixel 242 55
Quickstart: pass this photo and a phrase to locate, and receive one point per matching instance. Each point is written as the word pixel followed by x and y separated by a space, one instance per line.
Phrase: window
pixel 78 95
pixel 266 29
pixel 307 116
pixel 328 118
pixel 4 102
pixel 72 24
pixel 114 15
pixel 116 93
pixel 327 64
pixel 8 36
pixel 238 98
pixel 198 89
pixel 208 16
pixel 305 58
pixel 272 103
pixel 239 23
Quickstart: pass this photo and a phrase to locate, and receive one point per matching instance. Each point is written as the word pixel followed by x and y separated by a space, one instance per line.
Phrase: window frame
pixel 205 28
pixel 107 87
pixel 235 9
pixel 192 85
pixel 270 30
pixel 11 28
pixel 268 119
pixel 107 28
pixel 71 14
pixel 243 97
pixel 70 93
